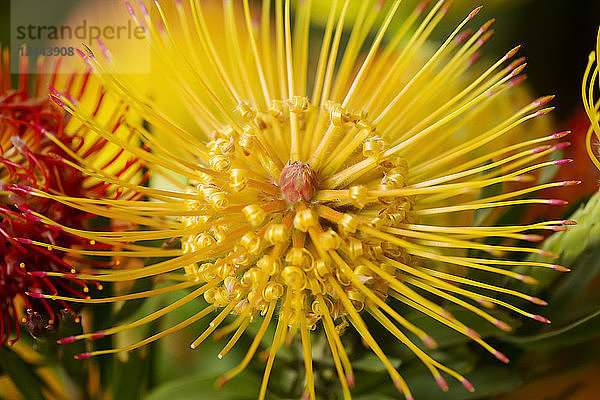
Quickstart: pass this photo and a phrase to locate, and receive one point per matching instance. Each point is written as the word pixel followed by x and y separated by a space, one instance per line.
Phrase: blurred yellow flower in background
pixel 591 82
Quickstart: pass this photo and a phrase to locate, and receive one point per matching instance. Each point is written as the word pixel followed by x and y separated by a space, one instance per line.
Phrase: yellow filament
pixel 130 296
pixel 307 354
pixel 364 333
pixel 254 46
pixel 155 315
pixel 333 346
pixel 238 333
pixel 259 335
pixel 157 336
pixel 277 339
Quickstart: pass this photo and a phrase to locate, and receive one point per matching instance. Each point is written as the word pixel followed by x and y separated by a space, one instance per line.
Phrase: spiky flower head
pixel 37 153
pixel 590 83
pixel 315 192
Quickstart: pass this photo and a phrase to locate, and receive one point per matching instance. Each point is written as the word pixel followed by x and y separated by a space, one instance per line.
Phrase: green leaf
pixel 586 234
pixel 371 363
pixel 571 290
pixel 374 396
pixel 242 387
pixel 21 374
pixel 568 245
pixel 134 369
pixel 580 331
pixel 130 307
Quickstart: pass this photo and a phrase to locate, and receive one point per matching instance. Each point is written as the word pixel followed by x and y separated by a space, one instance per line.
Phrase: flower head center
pixel 297 181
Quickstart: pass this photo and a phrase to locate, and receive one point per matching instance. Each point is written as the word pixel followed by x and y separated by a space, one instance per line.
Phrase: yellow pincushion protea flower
pixel 316 191
pixel 590 82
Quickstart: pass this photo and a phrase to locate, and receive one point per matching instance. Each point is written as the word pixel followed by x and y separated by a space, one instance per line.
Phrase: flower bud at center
pixel 297 181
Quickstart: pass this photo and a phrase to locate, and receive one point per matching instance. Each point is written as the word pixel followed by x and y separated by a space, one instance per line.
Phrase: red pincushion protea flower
pixel 37 153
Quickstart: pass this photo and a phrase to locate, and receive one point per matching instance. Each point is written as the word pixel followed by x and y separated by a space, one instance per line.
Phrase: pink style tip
pixel 221 382
pixel 528 280
pixel 52 91
pixel 544 111
pixel 470 332
pixel 422 6
pixel 538 301
pixel 129 8
pixel 83 356
pixel 501 357
pixel 463 36
pixel 559 135
pixel 544 100
pixel 516 63
pixel 512 52
pixel 540 149
pixel 467 385
pixel 503 326
pixel 143 8
pixel 104 49
pixel 514 82
pixel 557 202
pixel 81 54
pixel 429 342
pixel 474 12
pixel 35 295
pixel 541 319
pixel 561 145
pixel 39 274
pixel 533 238
pixel 474 58
pixel 445 8
pixel 548 254
pixel 441 383
pixel 56 100
pixel 398 386
pixel 518 70
pixel 69 339
pixel 569 222
pixel 351 380
pixel 487 25
pixel 97 335
pixel 560 268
